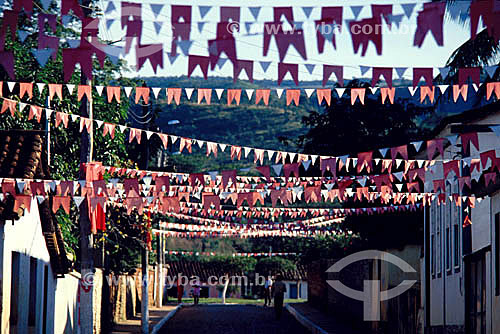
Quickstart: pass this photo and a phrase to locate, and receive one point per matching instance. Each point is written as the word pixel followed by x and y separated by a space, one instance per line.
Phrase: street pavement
pixel 231 319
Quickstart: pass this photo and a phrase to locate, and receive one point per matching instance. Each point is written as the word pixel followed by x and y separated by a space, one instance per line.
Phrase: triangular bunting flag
pixel 443 88
pixel 219 92
pixel 279 92
pixel 310 68
pixel 444 72
pixel 204 10
pixel 356 10
pixel 255 12
pixel 408 8
pixel 307 11
pixel 309 91
pixel 264 65
pixel 400 71
pixel 249 93
pixel 189 92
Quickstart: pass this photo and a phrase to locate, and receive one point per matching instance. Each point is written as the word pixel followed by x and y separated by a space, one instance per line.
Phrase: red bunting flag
pixel 470 72
pixel 430 19
pixel 284 68
pixel 55 89
pixel 337 70
pixel 386 72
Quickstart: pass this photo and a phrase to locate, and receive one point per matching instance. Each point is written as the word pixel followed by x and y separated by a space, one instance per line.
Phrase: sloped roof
pixel 22 155
pixel 204 270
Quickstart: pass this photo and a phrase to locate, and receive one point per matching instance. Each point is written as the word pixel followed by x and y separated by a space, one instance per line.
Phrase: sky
pixel 397 51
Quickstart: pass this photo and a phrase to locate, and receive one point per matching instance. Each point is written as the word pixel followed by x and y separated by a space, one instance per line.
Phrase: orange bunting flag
pixel 134 133
pixel 8 104
pixel 233 94
pixel 55 89
pixel 211 148
pixel 142 91
pixel 26 87
pixel 387 92
pixel 185 143
pixel 492 87
pixel 259 156
pixel 262 94
pixel 108 128
pixel 460 90
pixel 427 91
pixel 84 90
pixel 174 94
pixel 324 94
pixel 61 116
pixel 58 201
pixel 292 95
pixel 36 112
pixel 358 92
pixel 164 140
pixel 235 152
pixel 22 200
pixel 113 92
pixel 85 123
pixel 204 93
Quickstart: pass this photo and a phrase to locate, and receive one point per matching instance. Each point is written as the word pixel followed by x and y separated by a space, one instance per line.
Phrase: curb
pixel 312 327
pixel 162 322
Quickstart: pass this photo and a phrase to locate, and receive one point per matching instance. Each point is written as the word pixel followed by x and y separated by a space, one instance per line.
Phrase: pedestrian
pixel 196 294
pixel 267 291
pixel 279 289
pixel 180 291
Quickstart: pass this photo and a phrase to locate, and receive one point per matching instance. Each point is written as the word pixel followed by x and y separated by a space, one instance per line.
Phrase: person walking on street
pixel 196 294
pixel 267 291
pixel 279 290
pixel 180 291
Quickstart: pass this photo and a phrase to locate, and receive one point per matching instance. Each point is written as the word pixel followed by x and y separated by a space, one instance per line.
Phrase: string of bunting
pixel 196 253
pixel 430 19
pixel 234 95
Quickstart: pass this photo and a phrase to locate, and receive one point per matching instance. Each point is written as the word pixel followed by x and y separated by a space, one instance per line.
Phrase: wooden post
pixel 144 292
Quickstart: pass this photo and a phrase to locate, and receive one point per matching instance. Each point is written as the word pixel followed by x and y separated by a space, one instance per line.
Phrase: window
pixel 438 237
pixel 433 257
pixel 448 249
pixel 33 291
pixel 497 254
pixel 14 289
pixel 456 245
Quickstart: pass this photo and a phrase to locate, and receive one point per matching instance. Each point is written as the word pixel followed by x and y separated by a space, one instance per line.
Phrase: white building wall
pixel 25 237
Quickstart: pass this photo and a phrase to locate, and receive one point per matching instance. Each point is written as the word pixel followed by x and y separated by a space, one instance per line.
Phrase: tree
pixel 343 128
pixel 274 265
pixel 230 266
pixel 64 142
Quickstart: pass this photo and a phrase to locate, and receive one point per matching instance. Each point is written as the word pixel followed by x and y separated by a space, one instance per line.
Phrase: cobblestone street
pixel 231 319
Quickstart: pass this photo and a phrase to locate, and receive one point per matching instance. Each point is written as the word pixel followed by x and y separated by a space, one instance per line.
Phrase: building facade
pixel 461 255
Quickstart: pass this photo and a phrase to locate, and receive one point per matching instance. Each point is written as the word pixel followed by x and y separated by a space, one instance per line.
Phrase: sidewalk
pixel 318 322
pixel 133 326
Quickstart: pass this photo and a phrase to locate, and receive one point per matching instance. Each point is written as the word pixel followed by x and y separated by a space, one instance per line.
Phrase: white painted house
pixel 37 295
pixel 461 264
